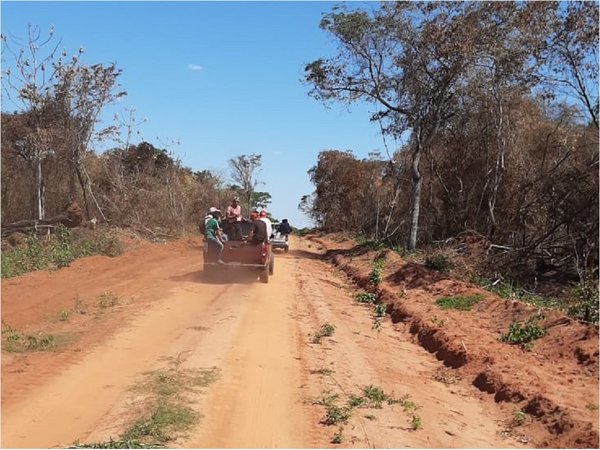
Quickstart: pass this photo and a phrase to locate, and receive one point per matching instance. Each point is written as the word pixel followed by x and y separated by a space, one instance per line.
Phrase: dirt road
pixel 277 377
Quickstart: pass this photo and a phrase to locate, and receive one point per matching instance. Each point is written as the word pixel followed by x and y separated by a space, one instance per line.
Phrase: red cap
pixel 263 213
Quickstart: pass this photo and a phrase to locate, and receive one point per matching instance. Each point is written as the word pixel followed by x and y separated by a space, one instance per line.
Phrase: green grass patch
pixel 167 403
pixel 63 247
pixel 165 420
pixel 461 303
pixel 14 341
pixel 121 443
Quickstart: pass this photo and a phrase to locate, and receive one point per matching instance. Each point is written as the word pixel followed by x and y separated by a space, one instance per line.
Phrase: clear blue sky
pixel 221 78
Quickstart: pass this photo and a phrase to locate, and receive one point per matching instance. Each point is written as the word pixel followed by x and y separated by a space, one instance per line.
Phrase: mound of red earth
pixel 554 382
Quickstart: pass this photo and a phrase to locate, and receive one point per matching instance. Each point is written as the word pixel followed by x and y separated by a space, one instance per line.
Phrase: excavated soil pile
pixel 554 381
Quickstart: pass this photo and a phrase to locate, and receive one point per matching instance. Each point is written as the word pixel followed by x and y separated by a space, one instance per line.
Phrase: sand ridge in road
pixel 258 335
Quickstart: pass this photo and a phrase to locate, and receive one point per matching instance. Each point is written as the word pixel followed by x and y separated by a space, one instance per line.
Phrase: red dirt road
pixel 260 337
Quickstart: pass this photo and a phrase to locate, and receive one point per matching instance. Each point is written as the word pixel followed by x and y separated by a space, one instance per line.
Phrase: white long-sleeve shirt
pixel 269 227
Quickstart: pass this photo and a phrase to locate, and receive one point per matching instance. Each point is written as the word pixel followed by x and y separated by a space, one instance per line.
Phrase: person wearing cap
pixel 258 233
pixel 213 233
pixel 265 219
pixel 233 216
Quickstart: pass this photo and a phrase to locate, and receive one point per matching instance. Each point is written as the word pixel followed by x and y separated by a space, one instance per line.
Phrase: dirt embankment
pixel 554 382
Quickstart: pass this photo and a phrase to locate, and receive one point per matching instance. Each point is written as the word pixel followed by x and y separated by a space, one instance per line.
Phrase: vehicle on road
pixel 279 240
pixel 240 255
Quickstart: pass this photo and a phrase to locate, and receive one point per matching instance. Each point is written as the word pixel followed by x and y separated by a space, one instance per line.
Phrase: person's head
pixel 253 215
pixel 284 221
pixel 216 213
pixel 235 200
pixel 263 213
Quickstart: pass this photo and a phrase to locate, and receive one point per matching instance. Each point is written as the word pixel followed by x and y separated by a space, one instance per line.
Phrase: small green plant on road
pixel 416 422
pixel 518 418
pixel 107 299
pixel 375 395
pixel 326 330
pixel 338 438
pixel 365 297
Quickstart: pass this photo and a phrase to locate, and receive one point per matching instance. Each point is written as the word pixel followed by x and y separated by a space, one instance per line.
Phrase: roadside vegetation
pixel 57 251
pixel 14 341
pixel 338 410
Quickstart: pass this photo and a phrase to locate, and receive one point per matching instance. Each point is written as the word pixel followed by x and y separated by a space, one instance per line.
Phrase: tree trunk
pixel 39 184
pixel 415 198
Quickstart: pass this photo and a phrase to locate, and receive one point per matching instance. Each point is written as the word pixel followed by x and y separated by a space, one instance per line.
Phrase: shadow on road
pixel 226 276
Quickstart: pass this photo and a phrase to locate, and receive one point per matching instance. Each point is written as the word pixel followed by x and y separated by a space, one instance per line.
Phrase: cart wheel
pixel 264 275
pixel 272 265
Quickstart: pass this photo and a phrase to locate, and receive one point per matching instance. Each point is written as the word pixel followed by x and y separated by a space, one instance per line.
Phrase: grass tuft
pixel 461 303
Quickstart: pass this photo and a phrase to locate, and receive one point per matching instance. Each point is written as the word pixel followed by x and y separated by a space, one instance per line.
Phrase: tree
pixel 59 96
pixel 243 172
pixel 570 55
pixel 412 60
pixel 260 200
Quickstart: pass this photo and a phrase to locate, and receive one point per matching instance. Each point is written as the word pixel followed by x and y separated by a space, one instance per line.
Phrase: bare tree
pixel 28 85
pixel 57 92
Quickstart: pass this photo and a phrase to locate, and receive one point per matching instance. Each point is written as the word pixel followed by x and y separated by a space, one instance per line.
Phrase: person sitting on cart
pixel 258 233
pixel 233 217
pixel 213 234
pixel 263 217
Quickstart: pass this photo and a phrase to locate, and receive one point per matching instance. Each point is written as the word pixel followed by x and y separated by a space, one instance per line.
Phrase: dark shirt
pixel 284 228
pixel 259 232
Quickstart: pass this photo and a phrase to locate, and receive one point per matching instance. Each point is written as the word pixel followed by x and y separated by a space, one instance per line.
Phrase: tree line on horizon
pixel 48 159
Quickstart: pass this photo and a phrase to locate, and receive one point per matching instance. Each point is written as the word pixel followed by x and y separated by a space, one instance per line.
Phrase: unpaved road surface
pixel 273 372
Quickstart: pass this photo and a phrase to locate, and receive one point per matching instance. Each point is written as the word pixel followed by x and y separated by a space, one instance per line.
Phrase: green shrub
pixel 375 395
pixel 335 414
pixel 365 297
pixel 586 307
pixel 379 309
pixel 326 330
pixel 523 333
pixel 376 275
